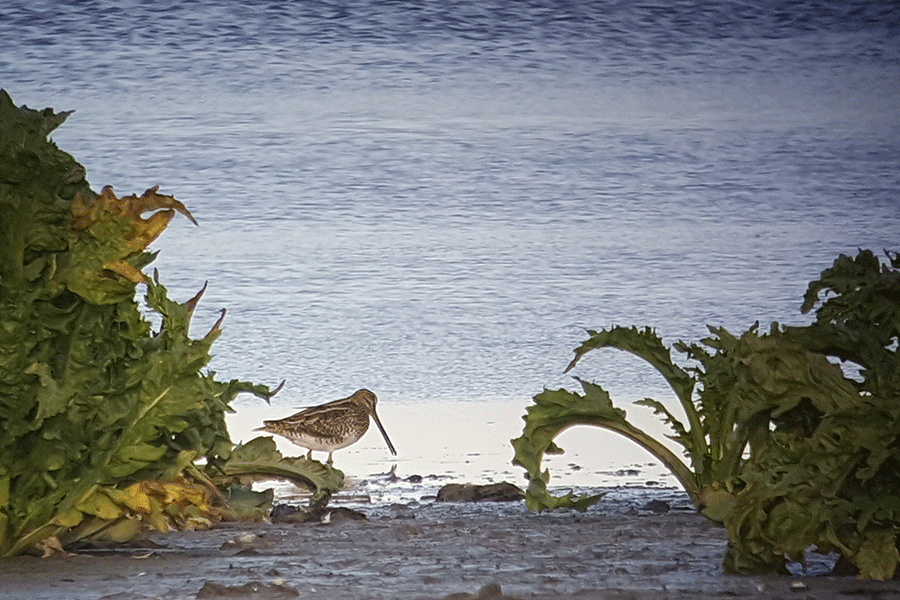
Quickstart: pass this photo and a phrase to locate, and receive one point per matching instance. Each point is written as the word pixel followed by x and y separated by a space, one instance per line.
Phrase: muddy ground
pixel 624 547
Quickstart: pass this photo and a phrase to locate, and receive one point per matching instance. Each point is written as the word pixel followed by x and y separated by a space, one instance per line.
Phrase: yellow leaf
pixel 4 491
pixel 122 530
pixel 69 518
pixel 101 505
pixel 129 208
pixel 108 236
pixel 185 492
pixel 133 497
pixel 157 519
pixel 126 270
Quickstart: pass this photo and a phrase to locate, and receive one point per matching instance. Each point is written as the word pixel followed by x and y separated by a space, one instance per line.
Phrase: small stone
pixel 491 590
pixel 456 492
pixel 657 506
pixel 282 513
pixel 343 513
pixel 467 492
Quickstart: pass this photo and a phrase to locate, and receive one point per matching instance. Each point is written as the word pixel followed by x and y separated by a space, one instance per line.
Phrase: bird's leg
pixel 309 455
pixel 330 461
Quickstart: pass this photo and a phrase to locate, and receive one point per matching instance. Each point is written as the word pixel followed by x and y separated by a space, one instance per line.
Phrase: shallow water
pixel 435 200
pixel 462 441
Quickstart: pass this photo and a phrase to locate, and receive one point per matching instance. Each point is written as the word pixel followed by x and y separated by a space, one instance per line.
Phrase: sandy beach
pixel 641 544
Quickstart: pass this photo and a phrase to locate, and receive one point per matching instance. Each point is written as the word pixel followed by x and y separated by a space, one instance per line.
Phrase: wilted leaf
pixel 134 498
pixel 108 236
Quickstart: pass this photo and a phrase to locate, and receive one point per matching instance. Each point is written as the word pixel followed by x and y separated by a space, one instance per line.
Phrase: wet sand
pixel 624 547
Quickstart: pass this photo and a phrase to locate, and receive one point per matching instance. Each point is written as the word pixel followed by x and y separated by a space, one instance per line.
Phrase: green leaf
pixel 259 456
pixel 557 410
pixel 245 504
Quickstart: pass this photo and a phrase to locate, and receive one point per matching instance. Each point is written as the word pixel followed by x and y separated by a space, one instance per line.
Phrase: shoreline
pixel 623 547
pixel 462 442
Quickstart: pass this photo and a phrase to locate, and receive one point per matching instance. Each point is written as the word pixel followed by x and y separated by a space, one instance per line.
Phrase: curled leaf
pixel 107 241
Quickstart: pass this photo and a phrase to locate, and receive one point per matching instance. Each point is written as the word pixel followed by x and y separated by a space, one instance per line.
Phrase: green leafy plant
pixel 782 447
pixel 107 426
pixel 708 440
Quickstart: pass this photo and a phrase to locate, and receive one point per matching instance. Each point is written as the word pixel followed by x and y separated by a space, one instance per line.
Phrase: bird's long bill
pixel 384 433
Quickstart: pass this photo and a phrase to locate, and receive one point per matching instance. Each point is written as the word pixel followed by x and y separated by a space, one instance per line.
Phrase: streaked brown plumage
pixel 330 426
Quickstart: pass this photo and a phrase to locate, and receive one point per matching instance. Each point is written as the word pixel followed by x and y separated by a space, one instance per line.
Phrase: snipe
pixel 330 426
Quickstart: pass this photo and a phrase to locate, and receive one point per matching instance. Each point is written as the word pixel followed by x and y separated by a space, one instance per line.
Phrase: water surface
pixel 434 200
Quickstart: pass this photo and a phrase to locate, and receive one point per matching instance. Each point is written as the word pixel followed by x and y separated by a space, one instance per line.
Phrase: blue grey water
pixel 435 199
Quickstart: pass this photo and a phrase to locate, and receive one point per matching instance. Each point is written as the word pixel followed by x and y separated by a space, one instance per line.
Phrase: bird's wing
pixel 318 420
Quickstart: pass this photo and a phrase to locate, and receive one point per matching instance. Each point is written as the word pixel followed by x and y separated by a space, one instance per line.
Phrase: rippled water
pixel 435 199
